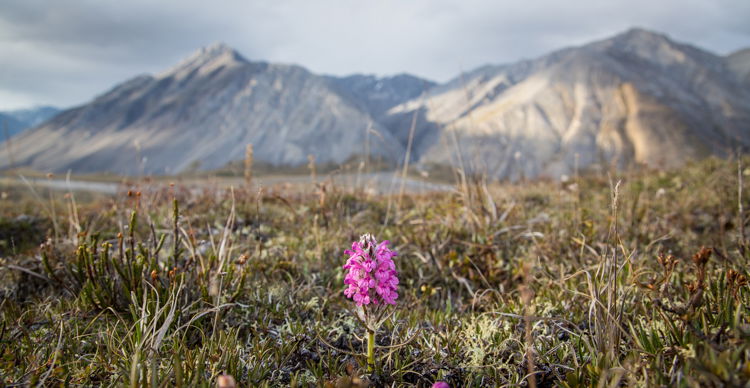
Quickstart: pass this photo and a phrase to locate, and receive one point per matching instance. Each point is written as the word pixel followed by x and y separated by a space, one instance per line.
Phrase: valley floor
pixel 641 280
pixel 387 182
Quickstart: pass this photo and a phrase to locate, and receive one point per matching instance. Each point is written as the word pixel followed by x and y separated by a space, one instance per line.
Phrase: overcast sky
pixel 65 52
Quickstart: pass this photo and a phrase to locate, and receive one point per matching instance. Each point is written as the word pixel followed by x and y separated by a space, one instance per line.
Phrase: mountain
pixel 204 111
pixel 9 126
pixel 739 64
pixel 378 95
pixel 638 98
pixel 21 119
pixel 33 116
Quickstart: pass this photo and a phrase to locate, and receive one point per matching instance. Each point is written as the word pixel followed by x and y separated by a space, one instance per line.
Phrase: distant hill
pixel 9 126
pixel 21 119
pixel 33 116
pixel 638 98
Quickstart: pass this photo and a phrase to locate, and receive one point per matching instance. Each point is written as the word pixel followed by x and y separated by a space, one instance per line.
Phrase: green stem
pixel 370 351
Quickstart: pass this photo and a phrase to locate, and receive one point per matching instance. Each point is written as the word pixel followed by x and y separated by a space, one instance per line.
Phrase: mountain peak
pixel 639 33
pixel 638 39
pixel 653 47
pixel 216 49
pixel 208 57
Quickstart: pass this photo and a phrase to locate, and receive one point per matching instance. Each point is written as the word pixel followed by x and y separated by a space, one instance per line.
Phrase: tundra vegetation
pixel 638 279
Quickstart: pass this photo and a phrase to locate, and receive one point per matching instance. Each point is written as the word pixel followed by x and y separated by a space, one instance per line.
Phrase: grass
pixel 594 282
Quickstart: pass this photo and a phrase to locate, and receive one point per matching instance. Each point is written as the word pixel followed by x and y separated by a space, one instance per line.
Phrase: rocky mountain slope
pixel 638 98
pixel 739 64
pixel 203 112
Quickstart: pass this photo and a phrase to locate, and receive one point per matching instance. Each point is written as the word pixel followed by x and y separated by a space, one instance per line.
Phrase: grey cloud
pixel 65 52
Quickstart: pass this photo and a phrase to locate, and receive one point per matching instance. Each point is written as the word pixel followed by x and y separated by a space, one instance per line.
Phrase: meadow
pixel 636 279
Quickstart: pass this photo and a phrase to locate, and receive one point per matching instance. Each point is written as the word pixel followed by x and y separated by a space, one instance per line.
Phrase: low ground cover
pixel 640 279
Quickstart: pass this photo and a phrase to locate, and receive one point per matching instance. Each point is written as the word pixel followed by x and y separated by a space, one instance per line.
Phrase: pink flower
pixel 440 384
pixel 371 276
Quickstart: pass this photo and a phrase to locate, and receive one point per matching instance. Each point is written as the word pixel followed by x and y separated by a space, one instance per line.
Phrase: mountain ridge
pixel 635 98
pixel 213 104
pixel 606 102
